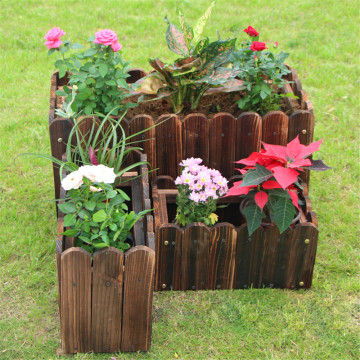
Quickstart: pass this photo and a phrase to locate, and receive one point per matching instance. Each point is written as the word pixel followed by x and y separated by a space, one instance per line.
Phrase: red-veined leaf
pixel 175 39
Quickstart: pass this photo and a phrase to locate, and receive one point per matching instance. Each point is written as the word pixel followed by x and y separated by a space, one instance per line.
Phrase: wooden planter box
pixel 218 141
pixel 105 301
pixel 224 256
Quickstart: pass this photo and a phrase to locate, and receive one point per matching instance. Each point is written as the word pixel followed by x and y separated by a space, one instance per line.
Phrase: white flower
pixel 94 189
pixel 98 173
pixel 73 181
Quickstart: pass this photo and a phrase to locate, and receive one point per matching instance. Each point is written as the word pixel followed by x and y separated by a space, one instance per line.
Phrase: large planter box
pixel 105 300
pixel 219 141
pixel 224 256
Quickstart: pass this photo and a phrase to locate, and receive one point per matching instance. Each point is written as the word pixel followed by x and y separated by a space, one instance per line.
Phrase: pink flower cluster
pixel 202 182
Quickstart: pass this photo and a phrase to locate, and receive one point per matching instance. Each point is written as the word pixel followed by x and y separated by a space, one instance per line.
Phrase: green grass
pixel 322 323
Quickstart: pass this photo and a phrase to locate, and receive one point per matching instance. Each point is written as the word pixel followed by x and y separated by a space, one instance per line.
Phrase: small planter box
pixel 224 256
pixel 105 300
pixel 219 141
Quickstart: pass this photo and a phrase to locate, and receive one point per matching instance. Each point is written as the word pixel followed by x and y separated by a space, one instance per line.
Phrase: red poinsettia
pixel 269 178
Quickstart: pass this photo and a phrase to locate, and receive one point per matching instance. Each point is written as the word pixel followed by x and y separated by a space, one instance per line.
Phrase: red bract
pixel 261 199
pixel 237 189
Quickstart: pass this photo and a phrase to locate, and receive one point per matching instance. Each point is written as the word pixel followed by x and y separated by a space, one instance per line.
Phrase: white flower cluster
pixel 95 173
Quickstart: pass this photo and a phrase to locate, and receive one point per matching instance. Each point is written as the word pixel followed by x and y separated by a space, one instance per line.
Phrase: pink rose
pixel 53 38
pixel 258 46
pixel 108 37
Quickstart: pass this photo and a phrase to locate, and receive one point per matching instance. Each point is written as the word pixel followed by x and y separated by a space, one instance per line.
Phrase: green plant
pixel 262 72
pixel 270 182
pixel 199 190
pixel 203 67
pixel 98 74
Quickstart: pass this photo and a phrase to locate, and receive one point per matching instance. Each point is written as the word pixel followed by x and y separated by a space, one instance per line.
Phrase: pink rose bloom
pixel 108 37
pixel 53 38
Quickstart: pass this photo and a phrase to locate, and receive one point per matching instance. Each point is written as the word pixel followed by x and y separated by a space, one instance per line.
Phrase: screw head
pixel 163 286
pixel 301 283
pixel 166 243
pixel 304 131
pixel 107 283
pixel 60 140
pixel 307 241
pixel 274 133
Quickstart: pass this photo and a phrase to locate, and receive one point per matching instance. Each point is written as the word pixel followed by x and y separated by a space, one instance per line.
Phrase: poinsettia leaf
pixel 237 189
pixel 278 192
pixel 308 150
pixel 92 156
pixel 275 151
pixel 318 165
pixel 256 176
pixel 175 39
pixel 284 212
pixel 271 184
pixel 187 30
pixel 261 198
pixel 253 216
pixel 285 176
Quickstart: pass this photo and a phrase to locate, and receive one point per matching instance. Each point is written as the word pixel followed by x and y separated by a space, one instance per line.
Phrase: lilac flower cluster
pixel 203 183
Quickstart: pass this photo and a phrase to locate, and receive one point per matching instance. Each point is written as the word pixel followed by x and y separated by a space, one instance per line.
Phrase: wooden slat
pixel 150 237
pixel 291 102
pixel 169 145
pixel 107 300
pixel 76 301
pixel 146 140
pixel 59 130
pixel 136 196
pixel 164 182
pixel 196 137
pixel 88 125
pixel 195 257
pixel 137 299
pixel 248 134
pixel 255 261
pixel 168 242
pixel 242 258
pixel 302 123
pixel 222 256
pixel 222 143
pixel 275 128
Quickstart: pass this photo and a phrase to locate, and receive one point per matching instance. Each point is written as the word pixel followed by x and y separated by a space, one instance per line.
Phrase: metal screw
pixel 74 284
pixel 166 243
pixel 275 133
pixel 60 140
pixel 222 135
pixel 195 241
pixel 169 135
pixel 196 135
pixel 249 134
pixel 173 243
pixel 301 283
pixel 142 136
pixel 107 283
pixel 139 280
pixel 218 286
pixel 163 286
pixel 307 241
pixel 193 287
pixel 304 131
pixel 104 347
pixel 223 240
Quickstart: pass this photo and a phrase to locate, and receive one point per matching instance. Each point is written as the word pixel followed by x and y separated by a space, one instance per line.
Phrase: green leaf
pixel 175 39
pixel 51 51
pixel 85 239
pixel 253 215
pixel 100 216
pixel 62 72
pixel 100 245
pixel 103 69
pixel 90 52
pixel 69 220
pixel 113 227
pixel 70 232
pixel 90 205
pixel 67 207
pixel 263 95
pixel 60 93
pixel 91 38
pixel 110 82
pixel 283 212
pixel 88 110
pixel 199 28
pixel 76 46
pixel 257 176
pixel 110 194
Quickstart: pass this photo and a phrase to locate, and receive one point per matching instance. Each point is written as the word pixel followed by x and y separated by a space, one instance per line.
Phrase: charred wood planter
pixel 219 140
pixel 224 256
pixel 105 300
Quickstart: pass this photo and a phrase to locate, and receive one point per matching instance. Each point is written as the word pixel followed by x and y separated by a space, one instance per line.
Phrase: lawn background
pixel 322 323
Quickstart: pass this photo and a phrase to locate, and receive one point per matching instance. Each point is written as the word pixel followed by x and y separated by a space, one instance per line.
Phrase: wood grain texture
pixel 136 196
pixel 195 257
pixel 196 137
pixel 269 256
pixel 222 134
pixel 242 258
pixel 255 260
pixel 222 256
pixel 248 134
pixel 107 300
pixel 275 128
pixel 76 301
pixel 168 245
pixel 137 300
pixel 169 145
pixel 291 103
pixel 145 140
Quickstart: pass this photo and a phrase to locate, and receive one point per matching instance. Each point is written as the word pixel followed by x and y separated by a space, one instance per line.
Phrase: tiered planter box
pixel 224 256
pixel 219 141
pixel 105 300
